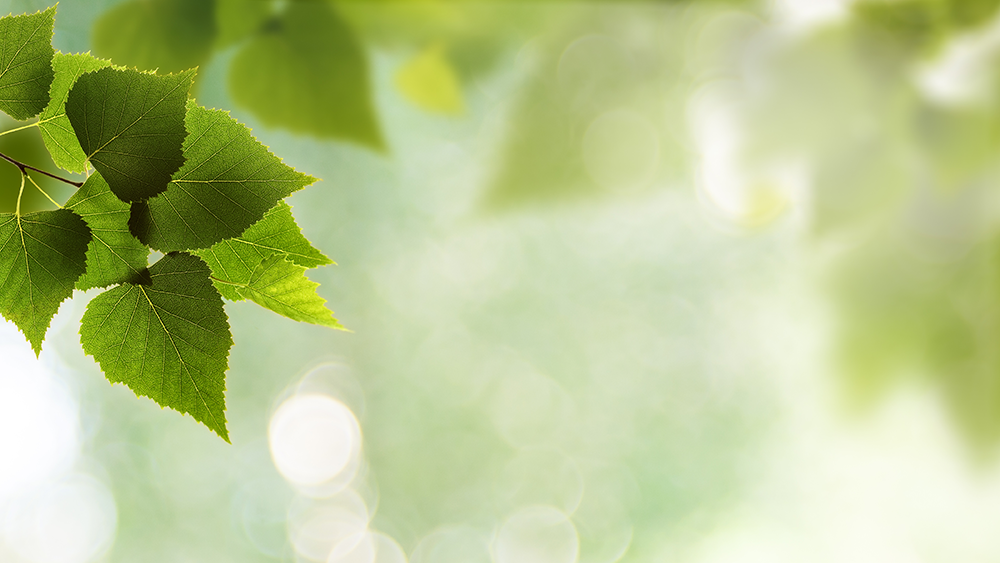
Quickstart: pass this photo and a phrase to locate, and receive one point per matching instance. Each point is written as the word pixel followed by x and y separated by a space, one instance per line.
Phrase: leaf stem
pixel 25 167
pixel 30 179
pixel 35 124
pixel 17 210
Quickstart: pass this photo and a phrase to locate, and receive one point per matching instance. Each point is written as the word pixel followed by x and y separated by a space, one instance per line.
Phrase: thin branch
pixel 25 167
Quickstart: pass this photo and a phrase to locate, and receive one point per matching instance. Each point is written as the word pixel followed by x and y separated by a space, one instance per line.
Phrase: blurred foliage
pixel 305 70
pixel 924 25
pixel 600 110
pixel 430 81
pixel 900 213
pixel 903 316
pixel 163 35
pixel 902 202
pixel 239 19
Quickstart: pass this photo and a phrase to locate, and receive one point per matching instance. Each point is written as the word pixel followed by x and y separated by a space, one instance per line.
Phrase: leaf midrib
pixel 187 369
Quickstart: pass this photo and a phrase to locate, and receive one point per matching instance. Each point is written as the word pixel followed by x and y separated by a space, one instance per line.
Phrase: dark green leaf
pixel 163 35
pixel 130 125
pixel 114 256
pixel 26 63
pixel 168 340
pixel 57 132
pixel 235 259
pixel 229 180
pixel 283 287
pixel 306 71
pixel 41 256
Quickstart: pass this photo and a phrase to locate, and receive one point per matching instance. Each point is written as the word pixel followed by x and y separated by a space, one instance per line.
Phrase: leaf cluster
pixel 164 174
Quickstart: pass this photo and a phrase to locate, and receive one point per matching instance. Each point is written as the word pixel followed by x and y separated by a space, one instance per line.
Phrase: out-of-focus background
pixel 698 282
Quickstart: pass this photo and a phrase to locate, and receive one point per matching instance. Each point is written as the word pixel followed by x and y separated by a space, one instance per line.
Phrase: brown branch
pixel 25 167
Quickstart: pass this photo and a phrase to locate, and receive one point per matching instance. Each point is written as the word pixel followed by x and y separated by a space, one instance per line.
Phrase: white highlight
pixel 313 439
pixel 72 522
pixel 804 15
pixel 732 188
pixel 39 433
pixel 962 74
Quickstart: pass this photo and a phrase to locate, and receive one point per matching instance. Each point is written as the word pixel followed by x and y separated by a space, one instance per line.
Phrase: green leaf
pixel 235 259
pixel 306 71
pixel 228 182
pixel 283 287
pixel 114 255
pixel 164 35
pixel 41 256
pixel 130 125
pixel 238 19
pixel 26 63
pixel 57 132
pixel 168 340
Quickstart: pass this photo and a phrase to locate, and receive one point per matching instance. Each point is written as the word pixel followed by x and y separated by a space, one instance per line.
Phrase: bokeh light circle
pixel 458 544
pixel 313 438
pixel 331 527
pixel 537 534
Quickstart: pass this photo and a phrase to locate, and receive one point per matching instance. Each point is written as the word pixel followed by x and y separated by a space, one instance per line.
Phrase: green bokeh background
pixel 707 281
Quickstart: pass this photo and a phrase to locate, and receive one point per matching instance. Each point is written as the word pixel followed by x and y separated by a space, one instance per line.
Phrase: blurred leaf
pixel 42 255
pixel 903 315
pixel 958 145
pixel 234 260
pixel 540 159
pixel 306 71
pixel 283 287
pixel 130 124
pixel 918 24
pixel 971 13
pixel 228 181
pixel 161 35
pixel 114 255
pixel 239 19
pixel 57 132
pixel 26 63
pixel 476 32
pixel 430 81
pixel 167 339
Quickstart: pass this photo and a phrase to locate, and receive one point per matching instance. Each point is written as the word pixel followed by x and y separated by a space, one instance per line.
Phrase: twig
pixel 25 167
